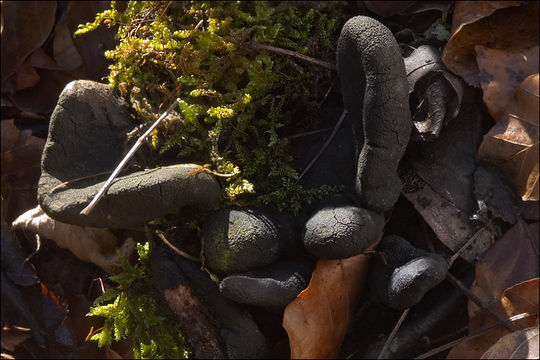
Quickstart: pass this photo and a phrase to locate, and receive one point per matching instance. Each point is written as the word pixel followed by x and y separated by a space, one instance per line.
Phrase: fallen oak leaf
pixel 316 321
pixel 507 282
pixel 95 245
pixel 512 143
pixel 517 345
pixel 21 159
pixel 501 71
pixel 25 27
pixel 389 8
pixel 12 336
pixel 488 23
pixel 520 298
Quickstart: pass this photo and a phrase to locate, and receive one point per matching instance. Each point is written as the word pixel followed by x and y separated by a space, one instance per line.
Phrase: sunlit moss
pixel 199 51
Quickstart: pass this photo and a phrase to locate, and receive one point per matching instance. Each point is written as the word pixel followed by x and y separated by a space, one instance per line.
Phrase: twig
pixel 256 46
pixel 128 156
pixel 79 179
pixel 336 128
pixel 530 236
pixel 472 336
pixel 198 25
pixel 307 133
pixel 393 334
pixel 176 250
pixel 503 322
pixel 466 245
pixel 326 94
pixel 27 259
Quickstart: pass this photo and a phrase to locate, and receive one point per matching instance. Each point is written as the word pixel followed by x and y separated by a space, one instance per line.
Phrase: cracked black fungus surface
pixel 407 273
pixel 375 93
pixel 341 231
pixel 84 139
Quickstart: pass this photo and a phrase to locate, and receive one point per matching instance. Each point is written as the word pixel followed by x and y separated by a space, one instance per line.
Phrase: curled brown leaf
pixel 316 321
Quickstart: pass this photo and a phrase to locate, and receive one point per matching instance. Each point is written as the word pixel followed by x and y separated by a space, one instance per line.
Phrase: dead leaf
pixel 451 225
pixel 512 143
pixel 25 27
pixel 20 170
pixel 316 321
pixel 95 245
pixel 26 76
pixel 489 24
pixel 517 345
pixel 500 268
pixel 506 281
pixel 501 71
pixel 14 263
pixel 423 6
pixel 91 46
pixel 42 97
pixel 438 92
pixel 520 298
pixel 389 8
pixel 13 336
pixel 66 54
pixel 440 181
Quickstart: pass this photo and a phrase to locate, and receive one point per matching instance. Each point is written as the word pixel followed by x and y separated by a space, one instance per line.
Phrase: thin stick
pixel 307 133
pixel 475 299
pixel 472 336
pixel 336 128
pixel 326 94
pixel 256 46
pixel 393 334
pixel 128 156
pixel 530 236
pixel 79 179
pixel 466 245
pixel 176 250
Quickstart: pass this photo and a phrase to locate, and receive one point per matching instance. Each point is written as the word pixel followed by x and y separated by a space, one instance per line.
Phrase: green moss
pixel 236 102
pixel 135 309
pixel 237 106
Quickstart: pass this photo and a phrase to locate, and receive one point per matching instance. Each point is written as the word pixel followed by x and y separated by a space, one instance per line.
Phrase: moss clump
pixel 237 106
pixel 236 102
pixel 133 309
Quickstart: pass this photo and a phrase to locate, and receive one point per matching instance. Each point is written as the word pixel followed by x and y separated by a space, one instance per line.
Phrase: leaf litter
pixel 472 16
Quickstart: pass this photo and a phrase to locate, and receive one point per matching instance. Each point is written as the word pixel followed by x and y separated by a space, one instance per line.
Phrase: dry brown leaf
pixel 513 142
pixel 316 321
pixel 21 167
pixel 389 8
pixel 25 27
pixel 95 245
pixel 521 298
pixel 492 24
pixel 65 52
pixel 501 72
pixel 518 299
pixel 517 345
pixel 81 12
pixel 507 281
pixel 42 96
pixel 13 336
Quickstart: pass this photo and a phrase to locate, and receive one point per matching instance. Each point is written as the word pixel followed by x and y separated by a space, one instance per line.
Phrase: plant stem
pixel 475 299
pixel 256 46
pixel 334 132
pixel 388 341
pixel 472 336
